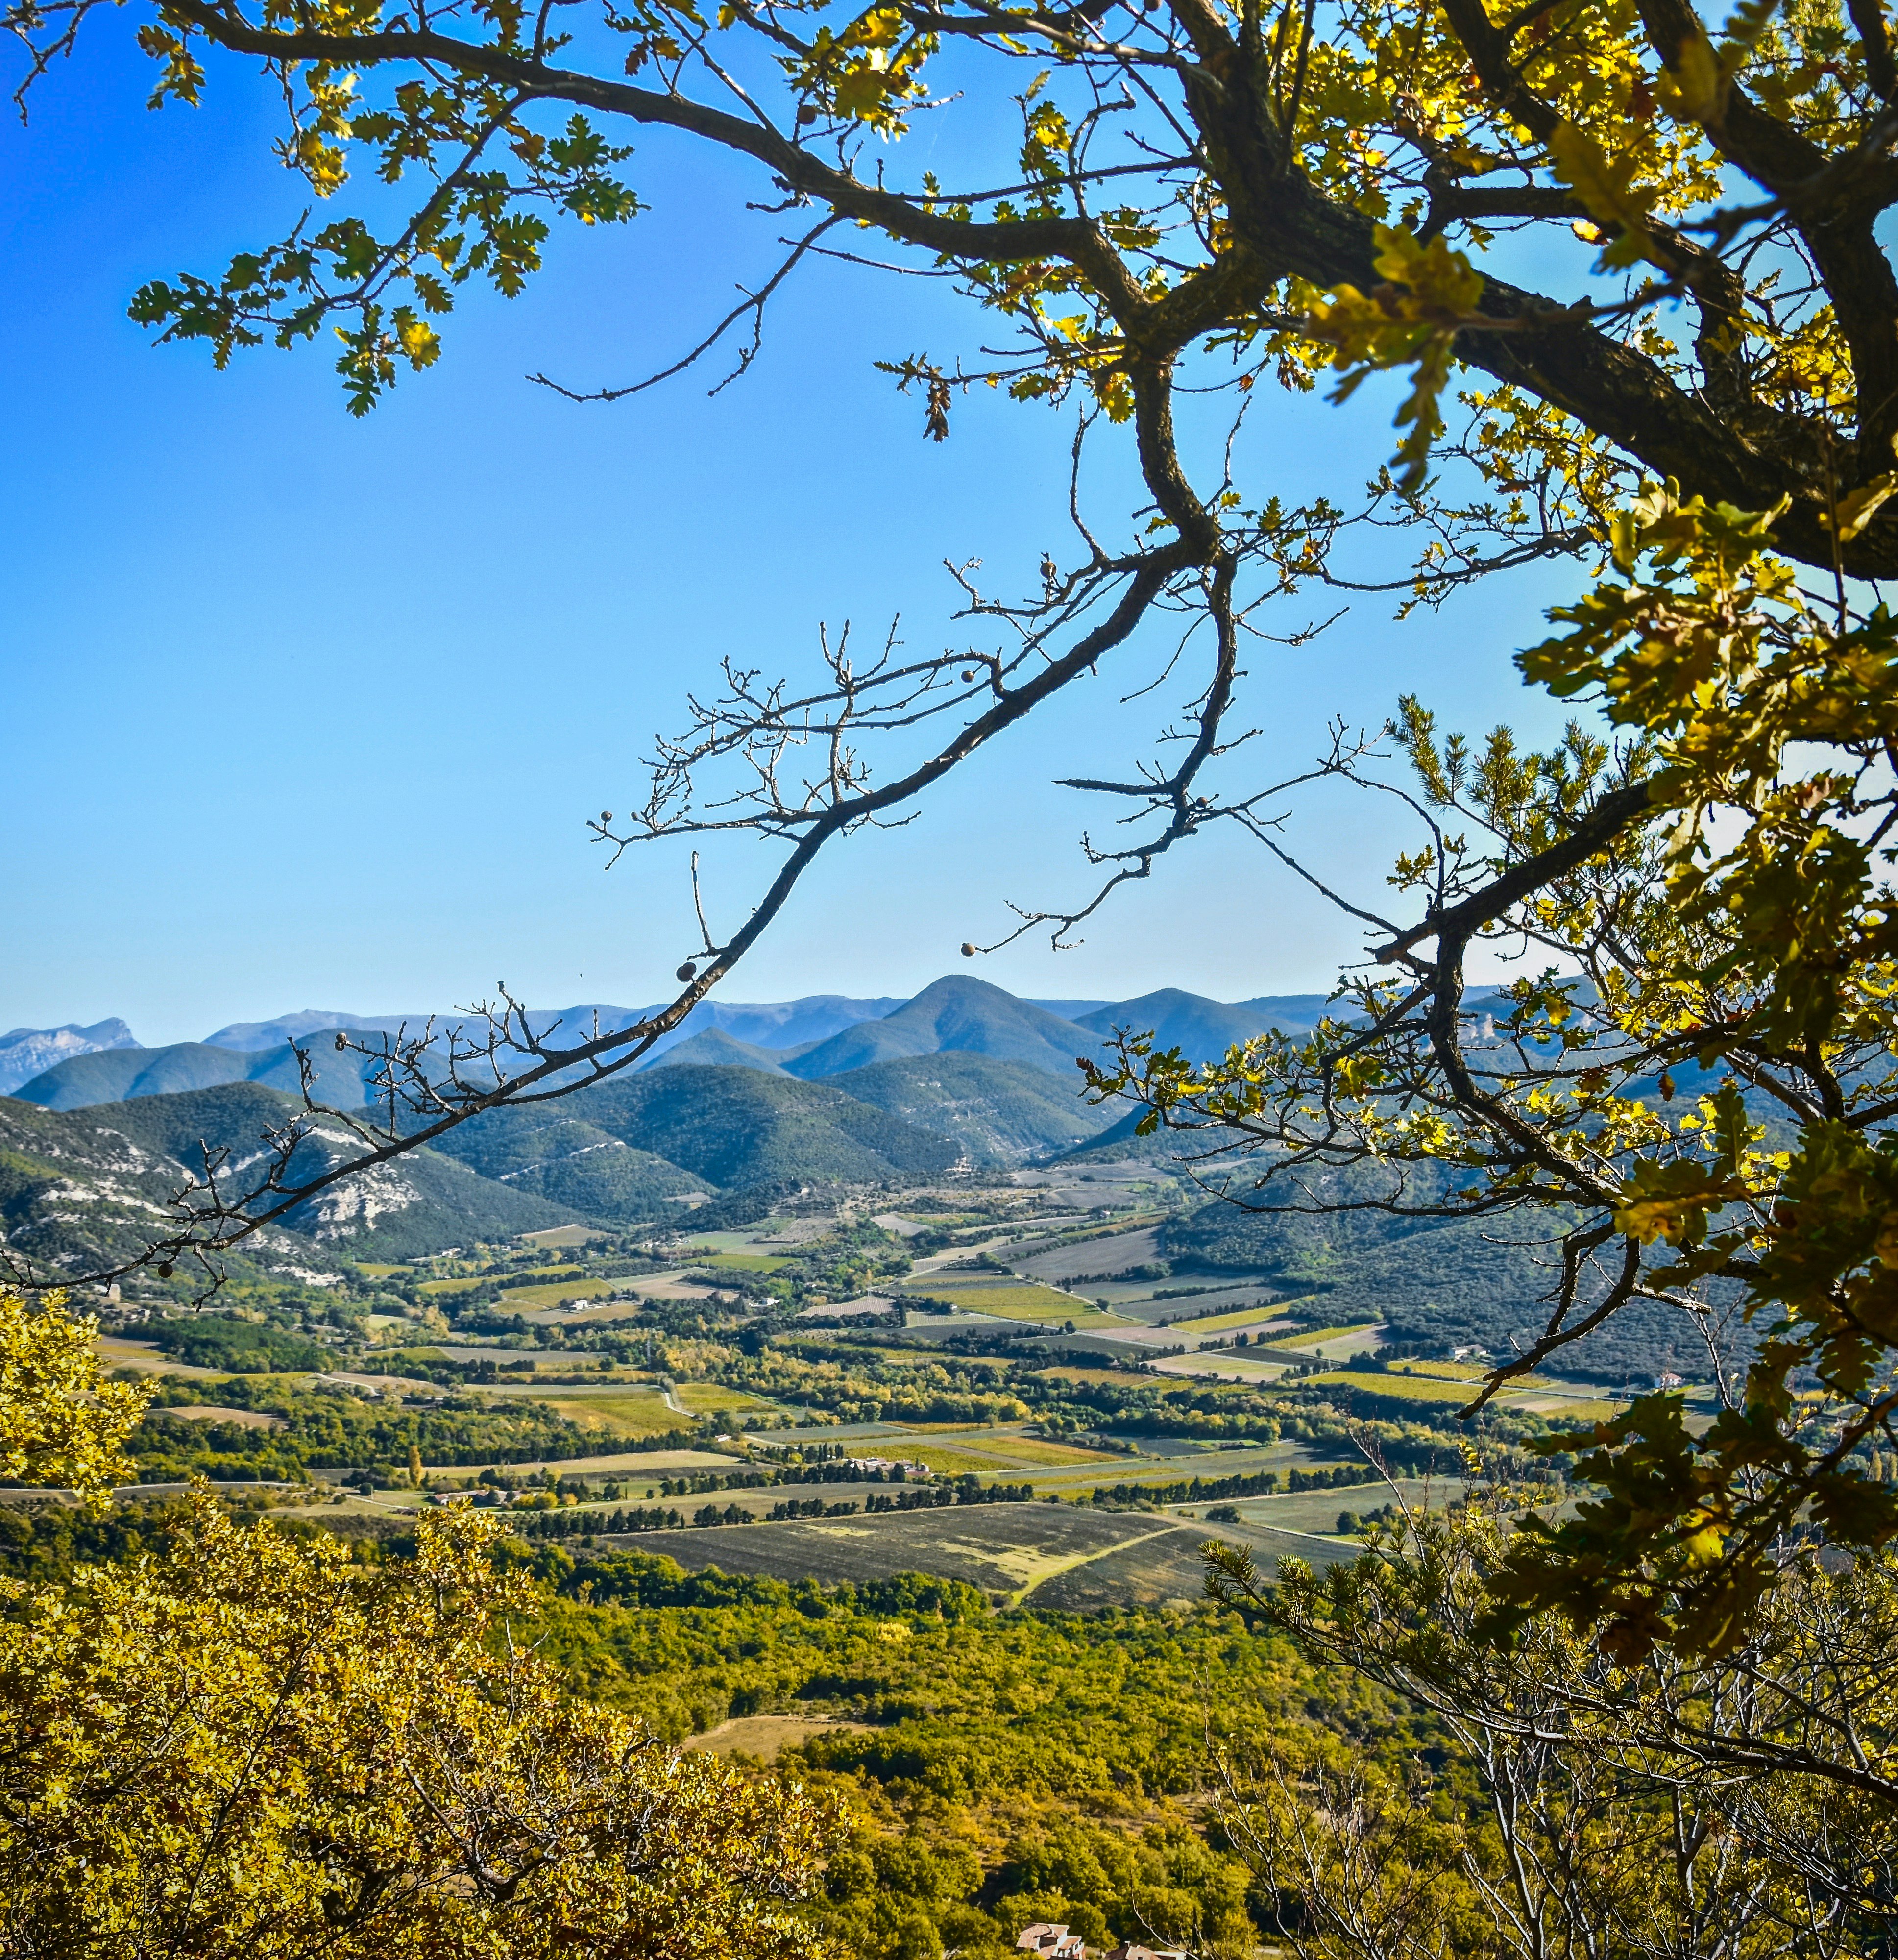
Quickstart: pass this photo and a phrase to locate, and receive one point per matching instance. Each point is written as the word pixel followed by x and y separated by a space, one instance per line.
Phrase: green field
pixel 738 1262
pixel 1243 1316
pixel 1564 1408
pixel 1033 1450
pixel 710 1398
pixel 631 1412
pixel 946 1460
pixel 1311 1336
pixel 1405 1387
pixel 553 1296
pixel 1017 1300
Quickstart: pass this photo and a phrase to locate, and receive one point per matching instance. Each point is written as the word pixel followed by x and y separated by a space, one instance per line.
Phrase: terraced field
pixel 1224 1364
pixel 1317 1511
pixel 1404 1388
pixel 739 1262
pixel 948 1459
pixel 1037 1452
pixel 563 1235
pixel 146 1357
pixel 213 1412
pixel 1434 1382
pixel 1321 1337
pixel 1266 1318
pixel 1110 1252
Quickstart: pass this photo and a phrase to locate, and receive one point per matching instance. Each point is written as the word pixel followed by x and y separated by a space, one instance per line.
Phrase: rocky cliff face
pixel 26 1052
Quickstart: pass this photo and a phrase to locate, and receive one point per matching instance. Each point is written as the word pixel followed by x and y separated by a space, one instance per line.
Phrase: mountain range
pixel 819 1036
pixel 81 1187
pixel 94 1145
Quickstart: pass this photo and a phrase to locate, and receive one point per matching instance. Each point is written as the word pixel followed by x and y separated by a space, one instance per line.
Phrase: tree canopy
pixel 61 1423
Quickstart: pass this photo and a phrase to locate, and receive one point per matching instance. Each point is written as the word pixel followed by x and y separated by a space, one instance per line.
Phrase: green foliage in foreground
pixel 252 1747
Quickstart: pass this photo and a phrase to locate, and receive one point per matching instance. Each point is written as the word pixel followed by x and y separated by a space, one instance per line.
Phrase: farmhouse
pixel 888 1466
pixel 1055 1942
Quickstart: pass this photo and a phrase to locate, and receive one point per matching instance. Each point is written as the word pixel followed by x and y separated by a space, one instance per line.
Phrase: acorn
pixel 164 1271
pixel 688 971
pixel 968 951
pixel 605 816
pixel 342 1041
pixel 968 673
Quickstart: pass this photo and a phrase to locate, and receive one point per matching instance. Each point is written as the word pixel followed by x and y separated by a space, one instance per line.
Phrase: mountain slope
pixel 999 1112
pixel 117 1073
pixel 1204 1029
pixel 818 1036
pixel 120 1074
pixel 248 1036
pixel 26 1052
pixel 75 1193
pixel 957 1015
pixel 89 1188
pixel 556 1151
pixel 724 1126
pixel 418 1203
pixel 713 1048
pixel 784 1024
pixel 1433 1282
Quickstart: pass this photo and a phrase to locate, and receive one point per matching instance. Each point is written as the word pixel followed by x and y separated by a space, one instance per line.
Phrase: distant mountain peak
pixel 247 1037
pixel 958 1014
pixel 26 1052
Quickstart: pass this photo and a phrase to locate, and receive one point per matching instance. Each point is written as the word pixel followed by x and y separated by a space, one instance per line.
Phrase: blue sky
pixel 310 711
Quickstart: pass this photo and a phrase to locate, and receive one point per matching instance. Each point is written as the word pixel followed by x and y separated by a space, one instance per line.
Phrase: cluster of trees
pixel 238 1346
pixel 851 1384
pixel 1198 1490
pixel 1399 1773
pixel 335 1429
pixel 916 1498
pixel 1019 1767
pixel 1417 1440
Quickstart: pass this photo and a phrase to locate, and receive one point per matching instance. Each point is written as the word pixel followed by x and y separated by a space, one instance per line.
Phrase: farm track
pixel 1090 1558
